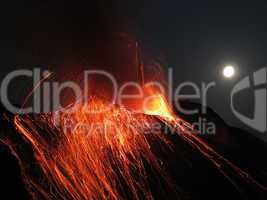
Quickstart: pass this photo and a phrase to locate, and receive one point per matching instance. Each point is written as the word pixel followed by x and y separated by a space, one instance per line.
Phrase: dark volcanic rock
pixel 193 174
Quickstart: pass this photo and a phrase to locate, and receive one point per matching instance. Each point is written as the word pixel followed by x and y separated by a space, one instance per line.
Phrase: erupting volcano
pixel 97 150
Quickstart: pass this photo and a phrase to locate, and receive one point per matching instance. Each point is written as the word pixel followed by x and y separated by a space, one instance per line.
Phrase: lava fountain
pixel 103 151
pixel 88 154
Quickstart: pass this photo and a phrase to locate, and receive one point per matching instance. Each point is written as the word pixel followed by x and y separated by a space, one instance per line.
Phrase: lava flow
pixel 95 150
pixel 88 154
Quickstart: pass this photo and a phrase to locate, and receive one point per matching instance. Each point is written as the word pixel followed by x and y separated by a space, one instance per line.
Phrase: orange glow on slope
pixel 91 155
pixel 102 154
pixel 94 156
pixel 157 105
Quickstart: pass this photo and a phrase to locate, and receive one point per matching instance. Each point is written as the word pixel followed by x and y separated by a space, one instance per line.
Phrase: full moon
pixel 228 71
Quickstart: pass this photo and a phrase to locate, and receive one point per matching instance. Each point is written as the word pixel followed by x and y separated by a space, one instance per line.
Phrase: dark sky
pixel 196 38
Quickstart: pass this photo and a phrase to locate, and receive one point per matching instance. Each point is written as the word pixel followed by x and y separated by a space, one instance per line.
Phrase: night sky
pixel 195 38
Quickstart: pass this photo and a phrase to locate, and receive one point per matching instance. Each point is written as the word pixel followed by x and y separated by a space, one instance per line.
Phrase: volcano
pixel 125 155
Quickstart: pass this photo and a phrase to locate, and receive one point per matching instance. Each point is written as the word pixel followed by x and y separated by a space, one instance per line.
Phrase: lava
pixel 158 106
pixel 94 150
pixel 91 155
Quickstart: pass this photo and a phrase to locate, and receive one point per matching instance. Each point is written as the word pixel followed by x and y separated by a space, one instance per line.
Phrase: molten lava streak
pixel 85 153
pixel 158 106
pixel 90 154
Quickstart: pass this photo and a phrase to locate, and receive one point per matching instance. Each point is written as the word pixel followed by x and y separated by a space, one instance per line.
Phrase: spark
pixel 97 158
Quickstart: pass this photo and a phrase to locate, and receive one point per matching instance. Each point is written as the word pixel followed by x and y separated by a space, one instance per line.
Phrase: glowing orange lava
pixel 102 151
pixel 91 154
pixel 157 105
